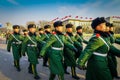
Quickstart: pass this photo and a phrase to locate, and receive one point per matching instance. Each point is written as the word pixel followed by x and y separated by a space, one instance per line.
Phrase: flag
pixel 65 17
pixel 86 18
pixel 76 17
pixel 69 15
pixel 90 18
pixel 57 18
pixel 113 16
pixel 81 17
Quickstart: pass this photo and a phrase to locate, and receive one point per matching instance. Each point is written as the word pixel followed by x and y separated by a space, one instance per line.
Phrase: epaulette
pixel 65 34
pixel 97 35
pixel 74 34
pixel 54 33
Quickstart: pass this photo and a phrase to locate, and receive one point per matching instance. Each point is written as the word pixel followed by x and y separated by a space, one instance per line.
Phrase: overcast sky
pixel 21 11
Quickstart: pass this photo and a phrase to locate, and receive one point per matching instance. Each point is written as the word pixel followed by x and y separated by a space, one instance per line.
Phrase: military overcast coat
pixel 15 40
pixel 97 66
pixel 56 57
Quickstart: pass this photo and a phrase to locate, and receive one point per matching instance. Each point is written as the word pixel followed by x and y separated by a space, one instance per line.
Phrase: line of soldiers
pixel 61 50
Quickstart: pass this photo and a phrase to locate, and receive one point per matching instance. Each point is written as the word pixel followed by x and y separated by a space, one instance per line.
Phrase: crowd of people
pixel 60 50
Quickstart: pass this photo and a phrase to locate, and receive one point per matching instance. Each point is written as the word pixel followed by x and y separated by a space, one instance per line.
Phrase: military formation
pixel 60 50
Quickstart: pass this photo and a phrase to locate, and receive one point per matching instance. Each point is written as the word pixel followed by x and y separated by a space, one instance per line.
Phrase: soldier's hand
pixel 75 49
pixel 24 54
pixel 81 67
pixel 8 50
pixel 39 57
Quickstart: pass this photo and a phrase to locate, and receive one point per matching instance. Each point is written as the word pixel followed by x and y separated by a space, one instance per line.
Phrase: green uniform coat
pixel 15 40
pixel 31 49
pixel 56 56
pixel 97 66
pixel 69 55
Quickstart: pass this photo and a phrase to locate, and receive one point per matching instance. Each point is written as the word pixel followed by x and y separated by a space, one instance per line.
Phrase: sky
pixel 21 11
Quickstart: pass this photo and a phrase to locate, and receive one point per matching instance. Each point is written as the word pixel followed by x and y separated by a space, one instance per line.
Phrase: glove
pixel 39 57
pixel 24 54
pixel 81 67
pixel 76 50
pixel 8 50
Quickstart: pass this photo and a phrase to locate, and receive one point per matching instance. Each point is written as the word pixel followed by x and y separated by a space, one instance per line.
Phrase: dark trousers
pixel 73 70
pixel 45 59
pixel 17 64
pixel 60 77
pixel 32 69
pixel 112 64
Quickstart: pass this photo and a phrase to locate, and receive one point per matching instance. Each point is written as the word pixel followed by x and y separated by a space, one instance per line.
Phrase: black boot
pixel 117 77
pixel 30 69
pixel 75 77
pixel 66 72
pixel 36 77
pixel 45 65
pixel 18 69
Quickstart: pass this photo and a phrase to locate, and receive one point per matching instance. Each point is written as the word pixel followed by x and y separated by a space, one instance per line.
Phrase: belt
pixel 55 48
pixel 17 42
pixel 32 45
pixel 99 54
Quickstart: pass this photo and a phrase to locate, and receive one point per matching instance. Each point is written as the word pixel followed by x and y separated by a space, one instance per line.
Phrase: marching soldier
pixel 41 36
pixel 25 32
pixel 112 61
pixel 15 40
pixel 70 56
pixel 80 39
pixel 96 53
pixel 30 46
pixel 47 35
pixel 56 44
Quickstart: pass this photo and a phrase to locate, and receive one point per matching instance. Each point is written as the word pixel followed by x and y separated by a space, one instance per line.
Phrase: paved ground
pixel 8 72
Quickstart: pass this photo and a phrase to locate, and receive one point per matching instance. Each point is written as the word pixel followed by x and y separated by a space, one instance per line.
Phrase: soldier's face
pixel 101 27
pixel 111 29
pixel 69 29
pixel 48 29
pixel 32 30
pixel 107 29
pixel 16 30
pixel 41 32
pixel 60 28
pixel 80 30
pixel 26 33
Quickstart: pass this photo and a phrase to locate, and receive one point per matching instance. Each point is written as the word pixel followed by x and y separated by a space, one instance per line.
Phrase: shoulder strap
pixel 80 37
pixel 16 38
pixel 31 40
pixel 59 40
pixel 46 35
pixel 105 42
pixel 70 39
pixel 39 35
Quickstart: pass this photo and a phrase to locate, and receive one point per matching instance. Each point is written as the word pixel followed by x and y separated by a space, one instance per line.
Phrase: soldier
pixel 70 56
pixel 41 36
pixel 15 40
pixel 96 53
pixel 47 35
pixel 112 61
pixel 79 38
pixel 25 32
pixel 56 44
pixel 30 46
